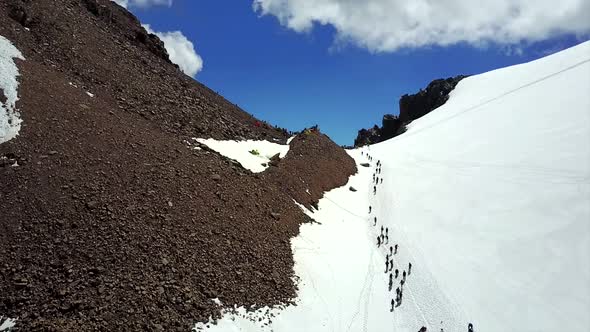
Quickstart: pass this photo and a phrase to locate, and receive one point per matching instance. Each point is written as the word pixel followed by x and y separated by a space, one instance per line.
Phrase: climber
pixel 386 266
pixel 409 268
pixel 369 209
pixel 379 242
pixel 396 273
pixel 395 253
pixel 470 327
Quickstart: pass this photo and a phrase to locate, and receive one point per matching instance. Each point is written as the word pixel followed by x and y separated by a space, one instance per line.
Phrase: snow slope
pixel 488 197
pixel 492 193
pixel 241 151
pixel 9 117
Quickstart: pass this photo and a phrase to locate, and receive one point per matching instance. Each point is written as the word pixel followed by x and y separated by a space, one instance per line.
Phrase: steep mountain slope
pixel 488 198
pixel 109 218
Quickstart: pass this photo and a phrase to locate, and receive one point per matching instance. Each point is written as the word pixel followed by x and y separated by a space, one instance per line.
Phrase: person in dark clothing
pixel 395 250
pixel 402 282
pixel 374 190
pixel 392 305
pixel 391 265
pixel 390 250
pixel 470 327
pixel 404 275
pixel 409 268
pixel 390 284
pixel 369 209
pixel 396 273
pixel 378 241
pixel 386 266
pixel 382 230
pixel 381 180
pixel 422 329
pixel 377 181
pixel 386 239
pixel 375 221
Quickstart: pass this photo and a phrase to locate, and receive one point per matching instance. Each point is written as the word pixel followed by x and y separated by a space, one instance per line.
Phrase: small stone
pixel 92 204
pixel 216 177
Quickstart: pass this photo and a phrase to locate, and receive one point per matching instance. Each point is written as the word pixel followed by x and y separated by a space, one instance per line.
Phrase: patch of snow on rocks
pixel 9 117
pixel 253 155
pixel 9 323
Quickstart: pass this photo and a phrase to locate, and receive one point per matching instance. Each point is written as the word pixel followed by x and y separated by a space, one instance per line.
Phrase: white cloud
pixel 181 50
pixel 388 25
pixel 143 3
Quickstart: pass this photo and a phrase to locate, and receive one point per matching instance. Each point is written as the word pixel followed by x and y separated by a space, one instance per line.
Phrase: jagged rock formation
pixel 368 136
pixel 110 221
pixel 411 107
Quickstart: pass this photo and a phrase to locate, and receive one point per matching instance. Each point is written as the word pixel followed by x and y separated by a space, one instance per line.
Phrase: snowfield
pixel 488 197
pixel 9 117
pixel 253 155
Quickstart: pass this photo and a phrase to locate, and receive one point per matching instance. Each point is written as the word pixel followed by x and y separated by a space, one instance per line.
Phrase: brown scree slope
pixel 111 221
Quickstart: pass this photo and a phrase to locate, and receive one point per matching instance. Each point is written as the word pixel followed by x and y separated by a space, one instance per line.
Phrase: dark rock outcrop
pixel 411 107
pixel 367 136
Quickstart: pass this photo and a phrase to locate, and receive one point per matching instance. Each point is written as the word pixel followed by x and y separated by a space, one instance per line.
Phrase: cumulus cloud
pixel 181 50
pixel 143 3
pixel 388 25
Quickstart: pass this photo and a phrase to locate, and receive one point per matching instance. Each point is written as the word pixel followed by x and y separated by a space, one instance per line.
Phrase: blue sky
pixel 296 79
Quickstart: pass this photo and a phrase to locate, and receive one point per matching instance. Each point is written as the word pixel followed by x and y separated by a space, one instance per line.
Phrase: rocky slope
pixel 411 107
pixel 306 181
pixel 110 220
